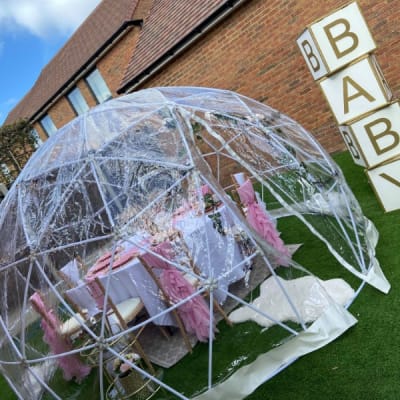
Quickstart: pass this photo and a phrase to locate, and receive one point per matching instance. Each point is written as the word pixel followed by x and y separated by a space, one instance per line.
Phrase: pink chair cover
pixel 260 221
pixel 195 314
pixel 164 249
pixel 70 364
pixel 95 291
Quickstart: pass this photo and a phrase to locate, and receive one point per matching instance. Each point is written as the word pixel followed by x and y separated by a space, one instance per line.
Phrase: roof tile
pixel 168 23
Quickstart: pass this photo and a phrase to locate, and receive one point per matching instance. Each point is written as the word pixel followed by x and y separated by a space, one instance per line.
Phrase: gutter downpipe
pixel 181 49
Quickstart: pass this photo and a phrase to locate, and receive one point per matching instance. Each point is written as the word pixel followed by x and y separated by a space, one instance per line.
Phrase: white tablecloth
pixel 217 256
pixel 132 280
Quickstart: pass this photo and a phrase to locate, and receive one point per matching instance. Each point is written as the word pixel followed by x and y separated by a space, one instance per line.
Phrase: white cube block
pixel 352 145
pixel 336 40
pixel 378 135
pixel 385 180
pixel 312 56
pixel 356 90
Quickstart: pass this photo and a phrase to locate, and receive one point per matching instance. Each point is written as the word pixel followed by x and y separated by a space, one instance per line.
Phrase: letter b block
pixel 377 136
pixel 352 146
pixel 335 41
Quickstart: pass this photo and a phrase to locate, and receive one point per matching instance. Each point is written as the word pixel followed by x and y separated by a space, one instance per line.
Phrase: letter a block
pixel 356 90
pixel 385 180
pixel 335 41
pixel 377 135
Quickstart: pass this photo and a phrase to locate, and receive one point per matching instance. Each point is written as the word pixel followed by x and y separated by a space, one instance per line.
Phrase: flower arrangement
pixel 122 368
pixel 210 205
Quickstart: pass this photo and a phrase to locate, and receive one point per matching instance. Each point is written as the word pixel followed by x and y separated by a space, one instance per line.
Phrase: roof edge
pixel 200 30
pixel 117 35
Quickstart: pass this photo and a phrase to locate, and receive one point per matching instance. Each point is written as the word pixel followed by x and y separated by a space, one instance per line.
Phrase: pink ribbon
pixel 260 221
pixel 70 364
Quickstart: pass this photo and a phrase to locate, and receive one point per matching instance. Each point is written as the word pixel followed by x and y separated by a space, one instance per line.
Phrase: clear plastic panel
pixel 138 194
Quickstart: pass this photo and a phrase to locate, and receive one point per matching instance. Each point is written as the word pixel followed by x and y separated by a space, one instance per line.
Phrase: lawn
pixel 361 363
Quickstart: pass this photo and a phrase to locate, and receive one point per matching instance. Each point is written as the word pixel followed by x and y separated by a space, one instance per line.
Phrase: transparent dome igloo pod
pixel 141 253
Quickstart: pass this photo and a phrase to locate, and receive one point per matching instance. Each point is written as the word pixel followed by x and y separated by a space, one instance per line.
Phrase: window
pixel 35 134
pixel 77 101
pixel 48 125
pixel 98 86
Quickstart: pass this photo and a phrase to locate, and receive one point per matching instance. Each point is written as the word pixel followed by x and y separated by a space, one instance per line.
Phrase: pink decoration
pixel 195 314
pixel 205 190
pixel 164 249
pixel 260 221
pixel 120 258
pixel 95 291
pixel 70 364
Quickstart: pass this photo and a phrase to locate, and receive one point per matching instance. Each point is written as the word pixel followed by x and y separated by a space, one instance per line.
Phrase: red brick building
pixel 248 46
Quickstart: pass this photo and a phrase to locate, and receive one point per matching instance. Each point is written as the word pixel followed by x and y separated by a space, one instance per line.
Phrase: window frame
pixel 76 106
pixel 48 118
pixel 93 91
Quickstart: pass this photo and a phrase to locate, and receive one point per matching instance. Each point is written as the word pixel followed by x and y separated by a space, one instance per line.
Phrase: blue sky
pixel 31 33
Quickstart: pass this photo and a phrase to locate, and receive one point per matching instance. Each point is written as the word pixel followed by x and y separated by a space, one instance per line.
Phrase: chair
pixel 167 300
pixel 196 282
pixel 239 178
pixel 84 306
pixel 81 300
pixel 59 341
pixel 125 381
pixel 260 220
pixel 125 312
pixel 166 250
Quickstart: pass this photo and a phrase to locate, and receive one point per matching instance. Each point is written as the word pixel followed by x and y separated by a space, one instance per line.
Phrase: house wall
pixel 254 52
pixel 111 66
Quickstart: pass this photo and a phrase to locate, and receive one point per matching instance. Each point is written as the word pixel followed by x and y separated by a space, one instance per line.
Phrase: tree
pixel 17 143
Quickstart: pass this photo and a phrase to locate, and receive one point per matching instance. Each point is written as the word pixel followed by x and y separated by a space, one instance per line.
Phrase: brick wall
pixel 254 52
pixel 113 65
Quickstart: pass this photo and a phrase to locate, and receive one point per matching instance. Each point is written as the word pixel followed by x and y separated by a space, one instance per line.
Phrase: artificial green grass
pixel 361 363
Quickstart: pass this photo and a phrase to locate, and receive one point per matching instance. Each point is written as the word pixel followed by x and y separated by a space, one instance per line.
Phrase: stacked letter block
pixel 338 50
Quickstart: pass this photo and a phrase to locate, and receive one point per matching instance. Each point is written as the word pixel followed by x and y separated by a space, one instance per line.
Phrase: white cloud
pixel 45 18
